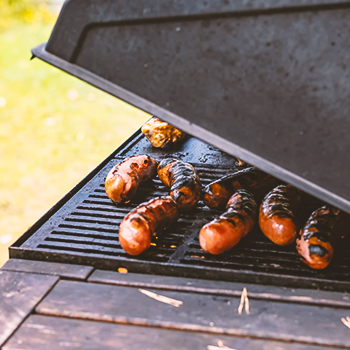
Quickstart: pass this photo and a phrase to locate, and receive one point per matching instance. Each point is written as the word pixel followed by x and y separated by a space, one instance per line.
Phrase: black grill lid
pixel 266 81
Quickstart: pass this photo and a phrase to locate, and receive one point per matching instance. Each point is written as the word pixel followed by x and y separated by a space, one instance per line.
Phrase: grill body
pixel 83 229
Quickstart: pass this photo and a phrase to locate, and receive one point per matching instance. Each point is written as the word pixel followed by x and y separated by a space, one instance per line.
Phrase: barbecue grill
pixel 265 81
pixel 188 63
pixel 83 229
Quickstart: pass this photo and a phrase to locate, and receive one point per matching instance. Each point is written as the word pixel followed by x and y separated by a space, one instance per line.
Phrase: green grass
pixel 54 129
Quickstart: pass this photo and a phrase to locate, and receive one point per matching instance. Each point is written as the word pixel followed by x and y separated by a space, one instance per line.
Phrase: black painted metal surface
pixel 267 81
pixel 84 230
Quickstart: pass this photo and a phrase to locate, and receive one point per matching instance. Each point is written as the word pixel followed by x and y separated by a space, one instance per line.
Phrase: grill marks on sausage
pixel 277 203
pixel 320 225
pixel 226 231
pixel 217 193
pixel 240 205
pixel 182 174
pixel 185 185
pixel 318 250
pixel 319 235
pixel 165 162
pixel 124 178
pixel 278 214
pixel 145 221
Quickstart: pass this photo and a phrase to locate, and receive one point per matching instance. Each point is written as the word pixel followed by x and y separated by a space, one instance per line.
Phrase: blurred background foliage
pixel 54 129
pixel 14 12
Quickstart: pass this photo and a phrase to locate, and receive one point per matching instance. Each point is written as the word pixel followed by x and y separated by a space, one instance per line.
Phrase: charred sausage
pixel 185 185
pixel 145 221
pixel 317 238
pixel 226 231
pixel 217 193
pixel 161 134
pixel 124 178
pixel 278 214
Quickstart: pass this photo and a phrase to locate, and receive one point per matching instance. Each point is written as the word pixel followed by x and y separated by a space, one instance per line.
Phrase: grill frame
pixel 176 264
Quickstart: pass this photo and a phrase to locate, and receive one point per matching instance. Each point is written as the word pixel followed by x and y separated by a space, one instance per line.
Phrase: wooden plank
pixel 70 271
pixel 199 312
pixel 19 294
pixel 258 292
pixel 54 333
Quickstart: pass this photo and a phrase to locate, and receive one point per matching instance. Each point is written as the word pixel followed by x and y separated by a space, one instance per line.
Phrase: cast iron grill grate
pixel 85 230
pixel 93 226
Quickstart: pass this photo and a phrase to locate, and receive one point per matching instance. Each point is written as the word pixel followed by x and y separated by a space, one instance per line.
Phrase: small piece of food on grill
pixel 124 178
pixel 145 221
pixel 185 185
pixel 217 193
pixel 226 231
pixel 161 134
pixel 278 214
pixel 317 238
pixel 240 162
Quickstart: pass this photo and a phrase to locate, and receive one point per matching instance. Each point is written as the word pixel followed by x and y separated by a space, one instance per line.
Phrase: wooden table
pixel 47 305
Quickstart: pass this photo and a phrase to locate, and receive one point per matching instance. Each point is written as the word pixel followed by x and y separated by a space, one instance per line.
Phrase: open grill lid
pixel 267 81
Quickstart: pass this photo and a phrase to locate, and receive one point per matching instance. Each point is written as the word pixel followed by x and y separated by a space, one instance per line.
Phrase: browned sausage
pixel 217 193
pixel 161 134
pixel 185 185
pixel 145 221
pixel 278 214
pixel 226 231
pixel 319 235
pixel 124 178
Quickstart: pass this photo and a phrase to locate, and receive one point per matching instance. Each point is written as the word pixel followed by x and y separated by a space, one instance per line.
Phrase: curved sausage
pixel 277 217
pixel 319 235
pixel 161 134
pixel 217 193
pixel 145 221
pixel 185 185
pixel 226 231
pixel 124 178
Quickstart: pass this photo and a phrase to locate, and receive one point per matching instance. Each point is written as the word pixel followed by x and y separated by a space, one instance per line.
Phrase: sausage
pixel 185 185
pixel 145 221
pixel 317 238
pixel 217 193
pixel 161 134
pixel 226 231
pixel 124 178
pixel 278 214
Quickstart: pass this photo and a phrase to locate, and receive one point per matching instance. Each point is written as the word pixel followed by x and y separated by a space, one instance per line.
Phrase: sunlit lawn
pixel 54 129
